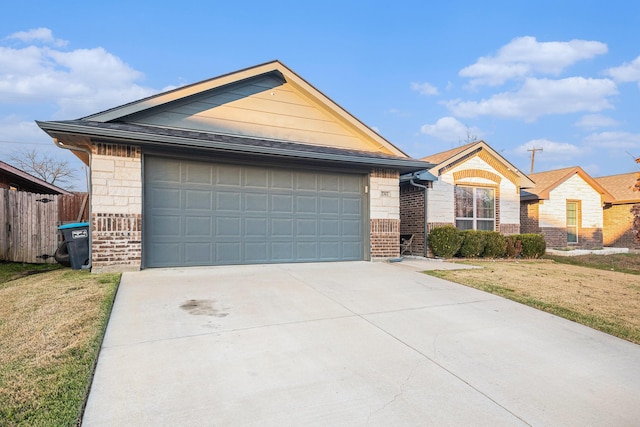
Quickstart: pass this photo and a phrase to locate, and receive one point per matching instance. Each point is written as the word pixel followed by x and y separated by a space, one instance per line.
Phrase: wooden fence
pixel 29 223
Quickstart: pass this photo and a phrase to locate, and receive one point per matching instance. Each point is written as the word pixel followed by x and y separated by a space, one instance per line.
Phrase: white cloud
pixel 539 97
pixel 550 149
pixel 627 72
pixel 449 129
pixel 615 140
pixel 424 88
pixel 77 82
pixel 525 56
pixel 16 129
pixel 43 35
pixel 594 121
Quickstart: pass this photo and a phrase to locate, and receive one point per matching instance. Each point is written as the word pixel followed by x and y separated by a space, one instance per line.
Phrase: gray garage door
pixel 199 213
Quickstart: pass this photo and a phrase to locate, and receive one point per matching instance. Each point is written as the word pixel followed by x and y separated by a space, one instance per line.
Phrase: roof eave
pixel 403 165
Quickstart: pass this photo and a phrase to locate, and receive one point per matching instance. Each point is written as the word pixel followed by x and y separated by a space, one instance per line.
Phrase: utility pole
pixel 533 157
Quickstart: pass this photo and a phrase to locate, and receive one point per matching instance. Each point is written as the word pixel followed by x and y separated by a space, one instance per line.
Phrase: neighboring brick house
pixel 621 213
pixel 255 166
pixel 470 187
pixel 566 207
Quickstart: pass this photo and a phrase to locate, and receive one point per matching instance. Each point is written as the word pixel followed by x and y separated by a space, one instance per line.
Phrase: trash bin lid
pixel 73 225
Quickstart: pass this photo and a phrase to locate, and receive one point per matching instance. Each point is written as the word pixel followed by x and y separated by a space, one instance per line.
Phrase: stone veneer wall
pixel 384 213
pixel 116 207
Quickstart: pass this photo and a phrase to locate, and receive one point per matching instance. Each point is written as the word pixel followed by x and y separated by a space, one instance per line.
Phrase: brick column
pixel 116 207
pixel 384 202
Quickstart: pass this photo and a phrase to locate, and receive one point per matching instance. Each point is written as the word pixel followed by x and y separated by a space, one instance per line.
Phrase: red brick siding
pixel 530 217
pixel 618 226
pixel 385 238
pixel 117 239
pixel 412 216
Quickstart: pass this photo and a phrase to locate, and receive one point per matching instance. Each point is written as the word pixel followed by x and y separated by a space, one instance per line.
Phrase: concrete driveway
pixel 349 344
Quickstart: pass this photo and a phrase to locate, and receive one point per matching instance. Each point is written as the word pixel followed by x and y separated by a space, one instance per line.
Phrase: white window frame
pixel 474 219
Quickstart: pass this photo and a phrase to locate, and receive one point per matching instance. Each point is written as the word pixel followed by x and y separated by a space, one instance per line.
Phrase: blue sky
pixel 559 75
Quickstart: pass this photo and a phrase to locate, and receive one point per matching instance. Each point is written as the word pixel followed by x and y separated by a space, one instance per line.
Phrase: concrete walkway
pixel 348 344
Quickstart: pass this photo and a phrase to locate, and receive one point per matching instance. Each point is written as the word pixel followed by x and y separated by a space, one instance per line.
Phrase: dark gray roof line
pixel 145 135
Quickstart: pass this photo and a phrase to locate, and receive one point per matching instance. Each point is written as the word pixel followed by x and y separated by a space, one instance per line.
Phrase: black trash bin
pixel 74 250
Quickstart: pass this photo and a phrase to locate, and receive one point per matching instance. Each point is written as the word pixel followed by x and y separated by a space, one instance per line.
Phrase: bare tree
pixel 470 137
pixel 43 166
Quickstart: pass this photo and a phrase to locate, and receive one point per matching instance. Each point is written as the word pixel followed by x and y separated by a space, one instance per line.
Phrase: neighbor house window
pixel 572 222
pixel 475 208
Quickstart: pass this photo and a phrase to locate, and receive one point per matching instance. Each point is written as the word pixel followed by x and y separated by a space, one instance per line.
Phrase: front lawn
pixel 599 298
pixel 51 329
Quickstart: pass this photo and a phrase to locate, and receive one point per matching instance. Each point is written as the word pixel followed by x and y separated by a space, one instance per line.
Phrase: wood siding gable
pixel 268 101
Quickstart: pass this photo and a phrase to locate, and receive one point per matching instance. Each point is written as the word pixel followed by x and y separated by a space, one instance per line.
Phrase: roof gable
pixel 454 157
pixel 28 181
pixel 266 101
pixel 547 181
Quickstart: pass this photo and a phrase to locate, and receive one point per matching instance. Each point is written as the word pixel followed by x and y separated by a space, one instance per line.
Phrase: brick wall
pixel 116 207
pixel 507 229
pixel 116 240
pixel 529 217
pixel 385 238
pixel 618 226
pixel 384 209
pixel 412 216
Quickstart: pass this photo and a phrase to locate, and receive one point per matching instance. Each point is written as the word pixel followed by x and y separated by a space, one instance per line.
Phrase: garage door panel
pixel 282 227
pixel 257 203
pixel 227 253
pixel 282 203
pixel 351 250
pixel 352 207
pixel 165 226
pixel 256 227
pixel 282 251
pixel 306 182
pixel 199 173
pixel 282 180
pixel 306 205
pixel 330 183
pixel 351 228
pixel 165 198
pixel 199 213
pixel 198 253
pixel 165 253
pixel 329 205
pixel 256 178
pixel 256 252
pixel 227 201
pixel 198 226
pixel 227 226
pixel 329 228
pixel 306 228
pixel 198 199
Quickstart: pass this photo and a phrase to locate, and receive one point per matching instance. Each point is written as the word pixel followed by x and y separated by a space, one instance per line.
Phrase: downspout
pixel 60 144
pixel 426 193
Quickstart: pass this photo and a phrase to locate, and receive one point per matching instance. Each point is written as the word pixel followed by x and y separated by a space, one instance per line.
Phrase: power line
pixel 24 142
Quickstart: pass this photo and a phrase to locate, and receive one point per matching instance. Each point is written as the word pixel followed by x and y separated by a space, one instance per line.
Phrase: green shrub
pixel 473 242
pixel 533 245
pixel 495 245
pixel 514 246
pixel 445 241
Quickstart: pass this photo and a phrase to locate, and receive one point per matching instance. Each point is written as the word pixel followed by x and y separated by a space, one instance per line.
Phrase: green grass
pixel 14 270
pixel 51 331
pixel 623 263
